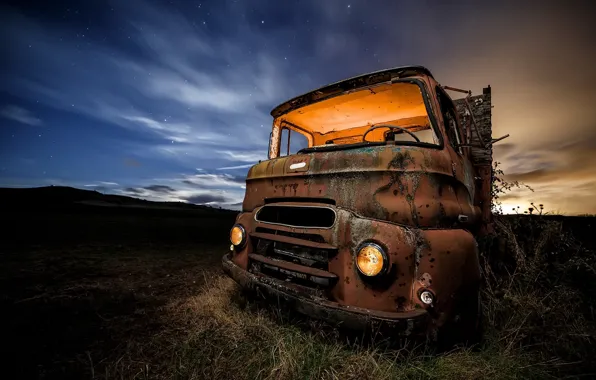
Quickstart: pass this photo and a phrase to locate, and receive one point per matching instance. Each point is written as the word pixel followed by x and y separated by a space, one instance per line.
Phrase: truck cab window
pixel 296 142
pixel 450 122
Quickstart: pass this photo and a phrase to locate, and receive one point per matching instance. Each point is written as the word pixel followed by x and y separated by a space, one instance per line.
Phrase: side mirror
pixel 269 146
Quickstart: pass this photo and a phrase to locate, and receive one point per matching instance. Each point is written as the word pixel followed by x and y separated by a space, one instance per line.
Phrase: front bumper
pixel 415 322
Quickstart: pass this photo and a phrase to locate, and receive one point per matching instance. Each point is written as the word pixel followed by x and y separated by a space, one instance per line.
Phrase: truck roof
pixel 336 88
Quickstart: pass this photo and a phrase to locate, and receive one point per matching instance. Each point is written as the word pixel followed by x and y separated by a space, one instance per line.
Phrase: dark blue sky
pixel 170 100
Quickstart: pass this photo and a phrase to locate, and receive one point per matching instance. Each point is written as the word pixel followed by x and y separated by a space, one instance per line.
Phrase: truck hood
pixel 401 184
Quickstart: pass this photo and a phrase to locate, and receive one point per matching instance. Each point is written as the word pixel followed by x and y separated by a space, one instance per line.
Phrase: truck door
pixel 461 166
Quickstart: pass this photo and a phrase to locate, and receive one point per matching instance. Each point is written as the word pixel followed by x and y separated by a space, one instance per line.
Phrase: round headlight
pixel 237 235
pixel 371 259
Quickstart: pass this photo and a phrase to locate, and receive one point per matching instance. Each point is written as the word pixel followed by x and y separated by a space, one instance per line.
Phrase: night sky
pixel 170 100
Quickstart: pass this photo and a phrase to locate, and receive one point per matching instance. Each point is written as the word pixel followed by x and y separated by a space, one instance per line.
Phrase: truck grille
pixel 297 216
pixel 310 257
pixel 310 237
pixel 287 261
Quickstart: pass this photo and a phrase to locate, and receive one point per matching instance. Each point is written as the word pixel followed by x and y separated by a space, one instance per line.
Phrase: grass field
pixel 140 294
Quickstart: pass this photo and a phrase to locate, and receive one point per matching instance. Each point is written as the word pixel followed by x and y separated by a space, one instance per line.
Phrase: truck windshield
pixel 345 119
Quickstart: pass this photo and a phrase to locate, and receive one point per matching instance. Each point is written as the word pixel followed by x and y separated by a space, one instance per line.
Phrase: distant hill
pixel 64 197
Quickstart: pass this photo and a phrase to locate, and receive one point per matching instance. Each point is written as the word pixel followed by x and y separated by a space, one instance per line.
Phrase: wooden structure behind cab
pixel 477 127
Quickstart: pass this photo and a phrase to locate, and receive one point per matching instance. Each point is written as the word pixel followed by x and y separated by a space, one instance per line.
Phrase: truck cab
pixel 368 207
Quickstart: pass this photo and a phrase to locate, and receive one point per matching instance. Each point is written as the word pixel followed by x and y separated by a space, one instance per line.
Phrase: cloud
pixel 102 184
pixel 503 149
pixel 172 91
pixel 511 197
pixel 132 190
pixel 236 167
pixel 215 181
pixel 170 131
pixel 19 114
pixel 222 190
pixel 160 188
pixel 245 156
pixel 206 199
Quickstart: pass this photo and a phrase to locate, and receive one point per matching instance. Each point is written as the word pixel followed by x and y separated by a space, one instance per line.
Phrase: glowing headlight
pixel 237 235
pixel 371 260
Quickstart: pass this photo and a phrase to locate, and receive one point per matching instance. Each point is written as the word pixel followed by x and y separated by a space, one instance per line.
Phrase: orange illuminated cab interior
pixel 344 119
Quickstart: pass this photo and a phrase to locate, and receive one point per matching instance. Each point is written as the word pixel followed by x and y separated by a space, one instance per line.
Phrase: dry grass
pixel 144 311
pixel 219 333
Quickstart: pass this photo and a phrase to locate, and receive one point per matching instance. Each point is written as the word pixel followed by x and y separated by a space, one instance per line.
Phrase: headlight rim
pixel 381 249
pixel 244 237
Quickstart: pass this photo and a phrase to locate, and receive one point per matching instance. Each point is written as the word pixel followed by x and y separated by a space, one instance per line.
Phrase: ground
pixel 121 292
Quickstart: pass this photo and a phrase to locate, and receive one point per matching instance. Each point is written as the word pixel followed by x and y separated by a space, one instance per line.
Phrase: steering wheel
pixel 373 127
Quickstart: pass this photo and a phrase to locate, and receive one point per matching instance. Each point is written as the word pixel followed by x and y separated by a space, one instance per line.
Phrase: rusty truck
pixel 368 208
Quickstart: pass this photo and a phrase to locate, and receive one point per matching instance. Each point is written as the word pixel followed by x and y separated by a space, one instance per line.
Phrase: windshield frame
pixel 325 148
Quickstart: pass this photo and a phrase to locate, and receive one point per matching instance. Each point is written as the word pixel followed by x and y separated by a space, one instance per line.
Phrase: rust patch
pixel 425 280
pixel 401 303
pixel 401 160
